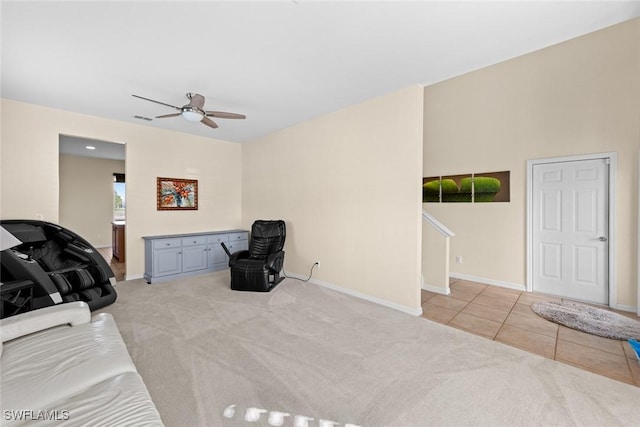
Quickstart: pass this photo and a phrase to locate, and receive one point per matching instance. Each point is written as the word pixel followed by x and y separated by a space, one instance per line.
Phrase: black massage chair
pixel 258 269
pixel 63 266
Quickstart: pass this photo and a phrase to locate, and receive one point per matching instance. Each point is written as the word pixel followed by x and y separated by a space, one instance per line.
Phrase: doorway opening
pixel 87 171
pixel 570 223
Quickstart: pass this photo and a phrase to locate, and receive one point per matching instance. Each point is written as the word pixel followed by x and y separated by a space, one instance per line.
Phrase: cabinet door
pixel 240 245
pixel 167 261
pixel 118 242
pixel 194 258
pixel 233 237
pixel 217 256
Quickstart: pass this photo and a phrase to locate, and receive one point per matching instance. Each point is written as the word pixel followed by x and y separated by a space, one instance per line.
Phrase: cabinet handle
pixel 168 244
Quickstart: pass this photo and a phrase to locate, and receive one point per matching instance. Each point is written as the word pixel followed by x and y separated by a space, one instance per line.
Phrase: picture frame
pixel 470 188
pixel 176 194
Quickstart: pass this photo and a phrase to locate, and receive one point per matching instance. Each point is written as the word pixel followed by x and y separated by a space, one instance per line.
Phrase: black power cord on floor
pixel 305 280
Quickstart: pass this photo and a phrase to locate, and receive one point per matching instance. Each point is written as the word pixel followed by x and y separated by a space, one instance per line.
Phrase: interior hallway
pixel 119 268
pixel 505 315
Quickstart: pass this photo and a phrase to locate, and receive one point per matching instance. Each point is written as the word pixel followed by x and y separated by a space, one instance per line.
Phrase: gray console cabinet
pixel 170 257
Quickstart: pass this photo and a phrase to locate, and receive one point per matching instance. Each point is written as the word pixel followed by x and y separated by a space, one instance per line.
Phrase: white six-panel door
pixel 570 229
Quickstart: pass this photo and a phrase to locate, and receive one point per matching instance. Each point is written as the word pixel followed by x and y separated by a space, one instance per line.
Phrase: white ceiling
pixel 76 146
pixel 278 62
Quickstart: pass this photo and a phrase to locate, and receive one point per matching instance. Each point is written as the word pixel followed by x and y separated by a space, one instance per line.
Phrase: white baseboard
pixel 622 307
pixel 101 246
pixel 380 301
pixel 516 286
pixel 436 289
pixel 134 277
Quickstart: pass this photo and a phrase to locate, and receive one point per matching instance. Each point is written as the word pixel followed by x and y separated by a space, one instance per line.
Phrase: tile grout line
pixel 505 319
pixel 595 370
pixel 465 306
pixel 636 382
pixel 555 347
pixel 557 336
pixel 469 314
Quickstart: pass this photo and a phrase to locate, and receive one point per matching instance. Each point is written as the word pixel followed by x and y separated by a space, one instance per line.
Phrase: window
pixel 119 200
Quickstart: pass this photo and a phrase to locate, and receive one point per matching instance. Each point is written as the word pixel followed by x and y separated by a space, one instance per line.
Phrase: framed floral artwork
pixel 177 194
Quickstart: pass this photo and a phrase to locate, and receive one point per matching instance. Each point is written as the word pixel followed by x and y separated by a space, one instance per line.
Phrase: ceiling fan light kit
pixel 192 115
pixel 194 111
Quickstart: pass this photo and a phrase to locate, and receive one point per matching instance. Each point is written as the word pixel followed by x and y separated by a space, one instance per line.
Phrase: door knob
pixel 602 239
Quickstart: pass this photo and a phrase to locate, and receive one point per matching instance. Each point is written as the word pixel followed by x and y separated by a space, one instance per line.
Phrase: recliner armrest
pixel 275 261
pixel 73 313
pixel 238 255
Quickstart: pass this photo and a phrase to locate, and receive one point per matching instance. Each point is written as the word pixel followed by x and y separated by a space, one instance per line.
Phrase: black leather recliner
pixel 63 265
pixel 258 269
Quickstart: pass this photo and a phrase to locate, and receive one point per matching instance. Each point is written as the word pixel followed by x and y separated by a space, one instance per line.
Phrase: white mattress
pixel 41 368
pixel 118 401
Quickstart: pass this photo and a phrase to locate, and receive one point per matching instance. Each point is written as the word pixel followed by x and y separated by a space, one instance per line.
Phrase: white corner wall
pixel 347 185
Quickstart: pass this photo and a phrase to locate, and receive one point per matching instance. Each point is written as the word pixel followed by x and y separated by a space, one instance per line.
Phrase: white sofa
pixel 60 364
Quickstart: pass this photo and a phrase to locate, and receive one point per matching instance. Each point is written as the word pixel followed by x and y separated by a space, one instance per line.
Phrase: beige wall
pixel 30 175
pixel 579 97
pixel 346 185
pixel 86 196
pixel 435 260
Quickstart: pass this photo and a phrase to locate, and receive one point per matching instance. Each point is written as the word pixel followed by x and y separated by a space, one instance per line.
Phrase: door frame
pixel 612 159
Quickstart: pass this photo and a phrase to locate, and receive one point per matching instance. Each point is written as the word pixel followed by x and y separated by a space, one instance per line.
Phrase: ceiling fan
pixel 194 111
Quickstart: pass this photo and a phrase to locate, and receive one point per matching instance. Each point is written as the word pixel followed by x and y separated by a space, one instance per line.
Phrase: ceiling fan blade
pixel 225 115
pixel 164 116
pixel 207 121
pixel 195 101
pixel 157 102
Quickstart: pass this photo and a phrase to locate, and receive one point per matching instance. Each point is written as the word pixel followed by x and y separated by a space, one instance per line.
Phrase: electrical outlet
pixel 458 259
pixel 318 264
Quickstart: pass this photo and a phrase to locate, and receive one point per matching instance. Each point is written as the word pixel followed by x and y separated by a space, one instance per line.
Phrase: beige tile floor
pixel 505 315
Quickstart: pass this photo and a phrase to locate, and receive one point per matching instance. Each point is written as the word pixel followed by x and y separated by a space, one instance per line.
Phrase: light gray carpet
pixel 589 319
pixel 305 350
